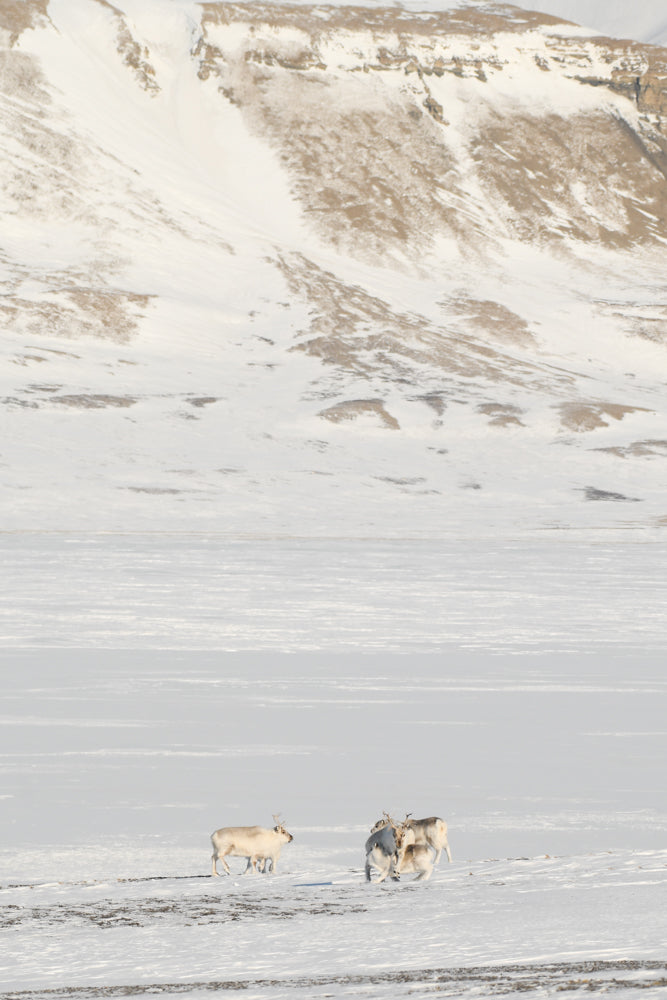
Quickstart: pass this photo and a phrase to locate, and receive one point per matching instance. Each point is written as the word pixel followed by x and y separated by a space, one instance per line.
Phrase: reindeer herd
pixel 393 849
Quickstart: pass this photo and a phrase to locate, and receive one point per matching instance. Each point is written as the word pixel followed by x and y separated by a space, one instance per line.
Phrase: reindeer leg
pixel 224 864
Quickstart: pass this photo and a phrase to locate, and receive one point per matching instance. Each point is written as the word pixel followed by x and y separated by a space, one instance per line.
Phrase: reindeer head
pixel 404 835
pixel 381 823
pixel 399 837
pixel 280 828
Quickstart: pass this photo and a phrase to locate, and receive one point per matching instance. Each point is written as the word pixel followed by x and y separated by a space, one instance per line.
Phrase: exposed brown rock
pixel 16 16
pixel 356 332
pixel 402 186
pixel 638 449
pixel 135 56
pixel 76 311
pixel 502 414
pixel 353 408
pixel 93 401
pixel 582 415
pixel 491 320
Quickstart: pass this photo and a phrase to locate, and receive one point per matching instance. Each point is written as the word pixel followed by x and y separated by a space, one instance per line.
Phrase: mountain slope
pixel 317 270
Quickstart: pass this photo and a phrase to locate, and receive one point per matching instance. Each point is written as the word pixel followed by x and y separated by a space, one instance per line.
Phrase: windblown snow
pixel 333 483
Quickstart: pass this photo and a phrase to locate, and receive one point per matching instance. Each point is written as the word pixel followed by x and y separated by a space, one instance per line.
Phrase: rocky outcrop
pixel 16 16
pixel 382 92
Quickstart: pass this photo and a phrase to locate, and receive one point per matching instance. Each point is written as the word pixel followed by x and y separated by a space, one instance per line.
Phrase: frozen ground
pixel 556 590
pixel 159 687
pixel 235 583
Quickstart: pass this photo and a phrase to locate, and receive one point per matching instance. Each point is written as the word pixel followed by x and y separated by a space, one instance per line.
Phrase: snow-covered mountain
pixel 325 269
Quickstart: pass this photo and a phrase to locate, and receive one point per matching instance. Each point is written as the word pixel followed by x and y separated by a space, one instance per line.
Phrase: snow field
pixel 287 933
pixel 117 764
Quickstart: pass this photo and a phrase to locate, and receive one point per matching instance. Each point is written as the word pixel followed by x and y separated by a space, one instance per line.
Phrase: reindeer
pixel 263 866
pixel 385 848
pixel 431 831
pixel 251 842
pixel 415 858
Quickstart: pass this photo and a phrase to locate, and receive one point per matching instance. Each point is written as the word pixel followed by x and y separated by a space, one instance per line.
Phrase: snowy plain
pixel 159 687
pixel 159 683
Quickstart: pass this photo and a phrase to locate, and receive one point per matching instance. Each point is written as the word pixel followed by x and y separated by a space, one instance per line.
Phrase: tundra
pixel 251 842
pixel 431 831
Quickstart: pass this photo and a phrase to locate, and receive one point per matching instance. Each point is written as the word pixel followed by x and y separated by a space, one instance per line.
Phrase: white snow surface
pixel 156 688
pixel 333 637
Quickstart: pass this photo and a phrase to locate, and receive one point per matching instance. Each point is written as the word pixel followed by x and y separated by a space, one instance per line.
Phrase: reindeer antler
pixel 390 820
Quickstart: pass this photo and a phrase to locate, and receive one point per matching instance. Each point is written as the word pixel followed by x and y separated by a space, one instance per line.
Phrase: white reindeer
pixel 251 842
pixel 385 848
pixel 431 831
pixel 415 858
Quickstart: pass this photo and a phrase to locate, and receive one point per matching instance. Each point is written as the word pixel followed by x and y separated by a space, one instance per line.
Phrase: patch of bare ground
pixel 593 493
pixel 351 409
pixel 433 399
pixel 28 359
pixel 491 319
pixel 638 449
pixel 502 414
pixel 149 911
pixel 93 401
pixel 639 319
pixel 360 333
pixel 583 415
pixel 588 177
pixel 627 978
pixel 75 357
pixel 414 485
pixel 200 401
pixel 16 402
pixel 105 313
pixel 20 76
pixel 16 16
pixel 397 169
pixel 135 55
pixel 319 21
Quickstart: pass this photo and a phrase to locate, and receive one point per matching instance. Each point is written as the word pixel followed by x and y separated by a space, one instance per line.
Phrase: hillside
pixel 274 269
